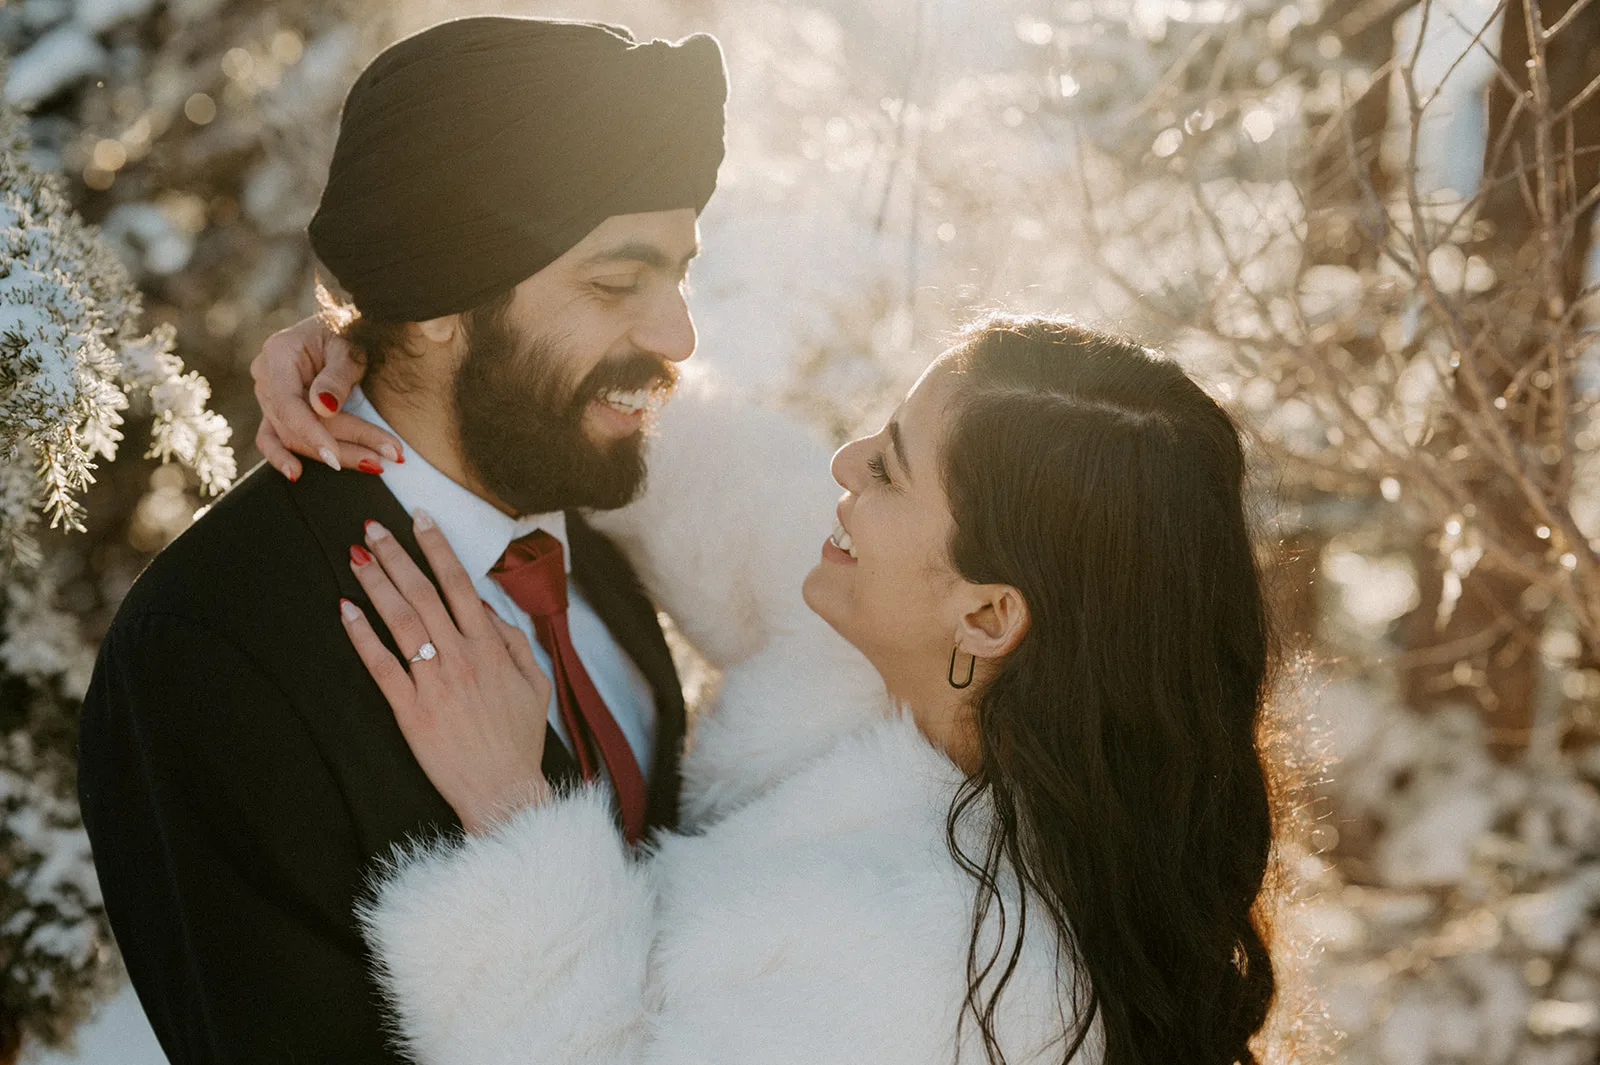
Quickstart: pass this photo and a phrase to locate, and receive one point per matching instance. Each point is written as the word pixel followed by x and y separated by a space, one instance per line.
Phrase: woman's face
pixel 894 593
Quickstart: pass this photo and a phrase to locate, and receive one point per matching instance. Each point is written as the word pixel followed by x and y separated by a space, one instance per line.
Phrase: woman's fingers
pixel 392 678
pixel 282 370
pixel 463 598
pixel 342 369
pixel 351 456
pixel 404 621
pixel 361 439
pixel 303 376
pixel 278 456
pixel 294 351
pixel 521 653
pixel 405 580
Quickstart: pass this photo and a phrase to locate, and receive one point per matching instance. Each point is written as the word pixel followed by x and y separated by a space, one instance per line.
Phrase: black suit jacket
pixel 241 774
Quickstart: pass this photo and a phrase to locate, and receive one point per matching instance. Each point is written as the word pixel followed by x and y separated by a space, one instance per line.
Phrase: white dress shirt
pixel 480 532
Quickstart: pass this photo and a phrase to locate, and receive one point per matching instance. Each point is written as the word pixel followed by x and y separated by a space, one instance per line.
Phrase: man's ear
pixel 996 624
pixel 440 331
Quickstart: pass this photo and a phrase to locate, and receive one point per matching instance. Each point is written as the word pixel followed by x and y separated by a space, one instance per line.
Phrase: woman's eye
pixel 876 467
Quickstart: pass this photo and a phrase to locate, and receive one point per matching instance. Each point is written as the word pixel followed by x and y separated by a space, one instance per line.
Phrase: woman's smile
pixel 839 547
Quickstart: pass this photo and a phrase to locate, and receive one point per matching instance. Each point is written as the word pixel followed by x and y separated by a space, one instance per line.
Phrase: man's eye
pixel 626 289
pixel 876 468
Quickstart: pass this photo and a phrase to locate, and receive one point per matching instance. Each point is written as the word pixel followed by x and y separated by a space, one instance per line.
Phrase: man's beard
pixel 521 422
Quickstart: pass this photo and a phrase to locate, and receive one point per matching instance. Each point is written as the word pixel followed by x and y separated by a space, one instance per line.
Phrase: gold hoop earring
pixel 972 664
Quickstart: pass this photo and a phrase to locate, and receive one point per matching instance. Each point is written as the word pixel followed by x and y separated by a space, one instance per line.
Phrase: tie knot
pixel 533 572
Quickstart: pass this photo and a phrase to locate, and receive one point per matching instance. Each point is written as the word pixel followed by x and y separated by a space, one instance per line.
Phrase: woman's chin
pixel 814 590
pixel 808 589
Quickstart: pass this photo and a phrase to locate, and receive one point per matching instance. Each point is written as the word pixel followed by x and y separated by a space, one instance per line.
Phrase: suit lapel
pixel 612 589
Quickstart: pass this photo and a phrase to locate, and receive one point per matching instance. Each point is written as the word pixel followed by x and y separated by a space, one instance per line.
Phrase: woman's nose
pixel 844 466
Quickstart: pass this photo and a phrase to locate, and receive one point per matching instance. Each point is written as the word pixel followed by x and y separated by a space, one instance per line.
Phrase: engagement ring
pixel 425 652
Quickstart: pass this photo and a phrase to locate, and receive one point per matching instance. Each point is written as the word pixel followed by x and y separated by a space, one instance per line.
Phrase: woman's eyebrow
pixel 899 445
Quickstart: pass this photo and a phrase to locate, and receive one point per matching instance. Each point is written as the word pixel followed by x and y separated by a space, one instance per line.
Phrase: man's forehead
pixel 656 238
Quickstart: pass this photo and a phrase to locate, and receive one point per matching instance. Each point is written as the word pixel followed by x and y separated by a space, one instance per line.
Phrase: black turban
pixel 473 154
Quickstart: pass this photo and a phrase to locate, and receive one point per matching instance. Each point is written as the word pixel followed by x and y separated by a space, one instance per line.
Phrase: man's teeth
pixel 842 541
pixel 627 402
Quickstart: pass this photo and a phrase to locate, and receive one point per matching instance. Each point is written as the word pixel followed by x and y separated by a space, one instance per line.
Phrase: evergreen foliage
pixel 73 360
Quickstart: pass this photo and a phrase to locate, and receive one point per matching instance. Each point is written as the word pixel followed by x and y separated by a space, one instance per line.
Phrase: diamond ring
pixel 424 653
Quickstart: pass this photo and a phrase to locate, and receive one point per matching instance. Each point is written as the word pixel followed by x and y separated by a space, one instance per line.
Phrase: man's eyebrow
pixel 643 253
pixel 899 445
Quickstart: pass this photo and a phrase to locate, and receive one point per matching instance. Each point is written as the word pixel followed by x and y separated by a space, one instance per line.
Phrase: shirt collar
pixel 477 529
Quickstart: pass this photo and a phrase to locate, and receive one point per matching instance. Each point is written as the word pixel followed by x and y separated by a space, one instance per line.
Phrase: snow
pixel 1433 846
pixel 117 1034
pixel 96 16
pixel 55 61
pixel 1548 920
pixel 147 238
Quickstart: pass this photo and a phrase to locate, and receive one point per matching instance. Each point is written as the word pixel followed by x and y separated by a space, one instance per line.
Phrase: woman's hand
pixel 303 375
pixel 474 713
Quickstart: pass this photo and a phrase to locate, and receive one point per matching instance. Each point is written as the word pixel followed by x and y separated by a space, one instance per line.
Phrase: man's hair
pixel 377 340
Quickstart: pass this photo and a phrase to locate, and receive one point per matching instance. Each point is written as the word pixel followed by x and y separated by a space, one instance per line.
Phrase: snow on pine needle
pixel 72 361
pixel 73 365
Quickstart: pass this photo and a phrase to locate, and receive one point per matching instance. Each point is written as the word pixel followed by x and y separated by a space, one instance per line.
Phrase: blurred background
pixel 1368 225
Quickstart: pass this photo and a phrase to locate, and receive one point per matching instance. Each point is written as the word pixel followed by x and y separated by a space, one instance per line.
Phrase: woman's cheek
pixel 876 577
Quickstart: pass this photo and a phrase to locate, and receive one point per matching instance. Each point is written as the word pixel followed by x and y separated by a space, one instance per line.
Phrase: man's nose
pixel 667 329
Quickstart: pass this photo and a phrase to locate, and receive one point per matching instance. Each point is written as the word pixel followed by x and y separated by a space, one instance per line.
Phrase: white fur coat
pixel 815 916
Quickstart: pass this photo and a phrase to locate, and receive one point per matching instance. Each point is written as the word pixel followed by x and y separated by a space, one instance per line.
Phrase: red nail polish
pixel 327 400
pixel 293 475
pixel 400 457
pixel 367 526
pixel 368 466
pixel 359 555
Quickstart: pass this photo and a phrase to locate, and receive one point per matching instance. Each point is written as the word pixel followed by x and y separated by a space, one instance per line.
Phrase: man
pixel 511 207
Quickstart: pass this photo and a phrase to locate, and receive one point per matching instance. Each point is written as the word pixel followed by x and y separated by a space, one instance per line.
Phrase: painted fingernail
pixel 359 555
pixel 349 610
pixel 327 399
pixel 424 520
pixel 292 473
pixel 376 531
pixel 392 453
pixel 368 466
pixel 327 456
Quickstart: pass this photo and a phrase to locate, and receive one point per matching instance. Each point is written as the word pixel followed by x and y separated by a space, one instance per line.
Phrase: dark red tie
pixel 533 572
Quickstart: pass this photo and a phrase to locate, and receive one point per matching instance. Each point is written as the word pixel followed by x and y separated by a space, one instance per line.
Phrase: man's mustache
pixel 627 373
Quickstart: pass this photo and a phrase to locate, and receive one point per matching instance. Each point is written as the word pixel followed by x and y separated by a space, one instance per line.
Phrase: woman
pixel 1052 848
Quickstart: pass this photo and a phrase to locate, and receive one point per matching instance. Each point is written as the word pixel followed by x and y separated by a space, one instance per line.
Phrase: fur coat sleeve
pixel 525 945
pixel 824 923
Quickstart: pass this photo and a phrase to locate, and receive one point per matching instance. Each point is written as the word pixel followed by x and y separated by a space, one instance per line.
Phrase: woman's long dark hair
pixel 1119 738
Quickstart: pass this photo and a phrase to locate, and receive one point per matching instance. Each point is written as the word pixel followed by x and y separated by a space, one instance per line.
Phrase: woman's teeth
pixel 842 541
pixel 626 402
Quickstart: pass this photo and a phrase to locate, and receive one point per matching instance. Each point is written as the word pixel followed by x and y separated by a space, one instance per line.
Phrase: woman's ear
pixel 994 627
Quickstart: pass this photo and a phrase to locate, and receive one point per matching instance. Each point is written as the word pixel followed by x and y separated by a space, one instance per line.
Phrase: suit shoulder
pixel 240 550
